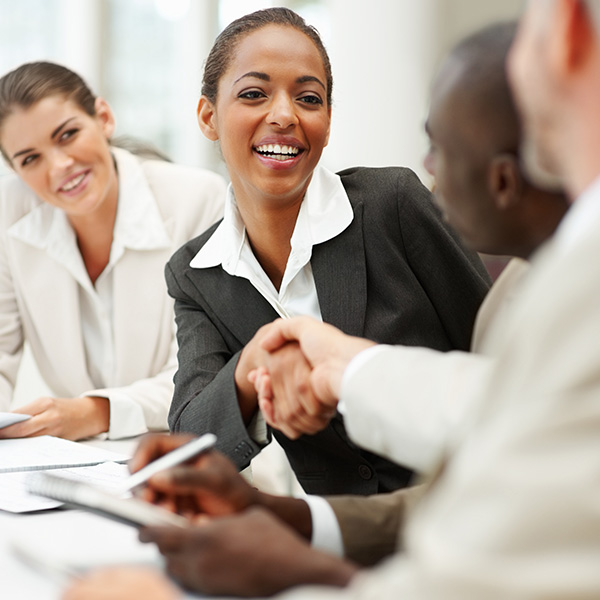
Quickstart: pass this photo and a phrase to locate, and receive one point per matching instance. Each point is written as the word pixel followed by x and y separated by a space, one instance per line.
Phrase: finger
pixel 30 428
pixel 153 446
pixel 168 539
pixel 266 408
pixel 265 386
pixel 282 331
pixel 188 479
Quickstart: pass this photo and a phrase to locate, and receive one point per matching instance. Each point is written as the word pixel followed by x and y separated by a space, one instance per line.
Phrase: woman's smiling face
pixel 62 153
pixel 271 115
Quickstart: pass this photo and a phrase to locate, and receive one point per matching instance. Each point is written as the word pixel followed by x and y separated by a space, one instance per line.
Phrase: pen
pixel 171 459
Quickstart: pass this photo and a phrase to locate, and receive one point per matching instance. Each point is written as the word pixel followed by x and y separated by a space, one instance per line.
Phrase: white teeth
pixel 277 149
pixel 73 183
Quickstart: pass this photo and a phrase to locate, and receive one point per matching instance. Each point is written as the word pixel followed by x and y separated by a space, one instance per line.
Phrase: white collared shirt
pixel 138 226
pixel 582 215
pixel 325 212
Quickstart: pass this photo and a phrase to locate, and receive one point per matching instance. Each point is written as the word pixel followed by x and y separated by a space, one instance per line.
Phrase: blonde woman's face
pixel 62 153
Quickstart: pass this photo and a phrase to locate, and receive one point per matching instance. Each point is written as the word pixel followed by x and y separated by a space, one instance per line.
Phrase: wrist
pixel 292 511
pixel 99 415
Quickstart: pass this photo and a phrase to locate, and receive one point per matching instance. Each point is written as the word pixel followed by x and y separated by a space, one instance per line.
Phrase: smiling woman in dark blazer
pixel 365 250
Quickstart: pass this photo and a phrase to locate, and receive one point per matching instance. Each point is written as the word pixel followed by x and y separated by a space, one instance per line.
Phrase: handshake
pixel 296 367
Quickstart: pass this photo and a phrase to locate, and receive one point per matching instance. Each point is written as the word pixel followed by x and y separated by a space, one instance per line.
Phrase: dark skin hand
pixel 249 554
pixel 211 485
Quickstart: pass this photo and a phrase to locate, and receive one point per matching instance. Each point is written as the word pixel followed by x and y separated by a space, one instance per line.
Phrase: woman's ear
pixel 207 118
pixel 105 116
pixel 505 181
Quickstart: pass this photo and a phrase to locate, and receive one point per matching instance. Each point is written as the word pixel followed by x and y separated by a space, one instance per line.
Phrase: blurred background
pixel 146 58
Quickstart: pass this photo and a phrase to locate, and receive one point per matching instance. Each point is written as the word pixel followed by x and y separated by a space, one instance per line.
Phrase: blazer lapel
pixel 55 330
pixel 143 313
pixel 340 274
pixel 233 301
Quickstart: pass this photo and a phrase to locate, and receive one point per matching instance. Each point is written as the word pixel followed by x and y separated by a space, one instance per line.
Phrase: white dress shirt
pixel 325 212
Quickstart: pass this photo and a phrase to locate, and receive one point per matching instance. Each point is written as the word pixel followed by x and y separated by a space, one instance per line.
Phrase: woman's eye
pixel 311 99
pixel 252 95
pixel 69 133
pixel 28 160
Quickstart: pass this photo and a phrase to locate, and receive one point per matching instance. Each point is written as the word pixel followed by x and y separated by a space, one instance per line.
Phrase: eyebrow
pixel 52 136
pixel 265 77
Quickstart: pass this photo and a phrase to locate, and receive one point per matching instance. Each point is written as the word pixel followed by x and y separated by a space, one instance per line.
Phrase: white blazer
pixel 39 296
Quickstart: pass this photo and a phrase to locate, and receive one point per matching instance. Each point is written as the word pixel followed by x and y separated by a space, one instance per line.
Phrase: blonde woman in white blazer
pixel 85 231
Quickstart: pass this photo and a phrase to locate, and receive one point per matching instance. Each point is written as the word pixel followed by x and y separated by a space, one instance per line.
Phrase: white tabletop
pixel 37 549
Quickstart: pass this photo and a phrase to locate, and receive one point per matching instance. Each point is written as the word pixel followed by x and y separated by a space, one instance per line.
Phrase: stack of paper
pixel 76 461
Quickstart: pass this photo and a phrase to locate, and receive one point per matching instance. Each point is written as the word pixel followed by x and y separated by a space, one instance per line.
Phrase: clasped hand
pixel 298 385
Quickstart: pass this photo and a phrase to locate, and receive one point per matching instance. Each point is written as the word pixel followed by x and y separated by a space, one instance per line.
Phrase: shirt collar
pixel 583 215
pixel 325 212
pixel 138 224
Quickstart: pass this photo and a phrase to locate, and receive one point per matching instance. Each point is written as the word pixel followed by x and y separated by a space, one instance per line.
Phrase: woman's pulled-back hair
pixel 32 82
pixel 224 47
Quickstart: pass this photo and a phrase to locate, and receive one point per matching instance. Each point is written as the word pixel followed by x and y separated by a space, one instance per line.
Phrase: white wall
pixel 384 55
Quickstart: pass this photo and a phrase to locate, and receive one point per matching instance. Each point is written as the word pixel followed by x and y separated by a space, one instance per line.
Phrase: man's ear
pixel 207 118
pixel 105 116
pixel 504 181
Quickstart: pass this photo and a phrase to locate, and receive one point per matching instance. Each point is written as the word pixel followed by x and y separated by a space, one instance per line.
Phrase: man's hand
pixel 252 554
pixel 286 396
pixel 209 484
pixel 292 399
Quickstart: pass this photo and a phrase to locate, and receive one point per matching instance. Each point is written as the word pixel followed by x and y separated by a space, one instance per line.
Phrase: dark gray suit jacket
pixel 396 275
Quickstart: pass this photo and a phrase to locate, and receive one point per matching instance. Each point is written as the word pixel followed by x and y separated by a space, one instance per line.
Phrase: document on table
pixel 15 498
pixel 49 452
pixel 8 418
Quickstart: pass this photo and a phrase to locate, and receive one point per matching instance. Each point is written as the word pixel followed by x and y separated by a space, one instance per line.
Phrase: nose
pixel 428 163
pixel 60 161
pixel 282 111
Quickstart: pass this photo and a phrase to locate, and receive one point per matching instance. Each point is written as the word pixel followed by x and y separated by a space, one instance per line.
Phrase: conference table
pixel 61 537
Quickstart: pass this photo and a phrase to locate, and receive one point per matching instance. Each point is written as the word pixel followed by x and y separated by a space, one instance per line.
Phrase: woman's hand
pixel 253 356
pixel 286 396
pixel 69 418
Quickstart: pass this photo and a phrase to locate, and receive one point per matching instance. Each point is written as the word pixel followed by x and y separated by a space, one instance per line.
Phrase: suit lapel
pixel 233 301
pixel 340 274
pixel 142 312
pixel 55 330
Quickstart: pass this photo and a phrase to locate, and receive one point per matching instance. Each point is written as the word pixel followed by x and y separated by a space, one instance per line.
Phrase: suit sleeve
pixel 371 526
pixel 205 398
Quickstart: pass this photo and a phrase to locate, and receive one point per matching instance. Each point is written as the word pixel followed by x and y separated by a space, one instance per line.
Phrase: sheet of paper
pixel 77 541
pixel 48 452
pixel 15 498
pixel 8 418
